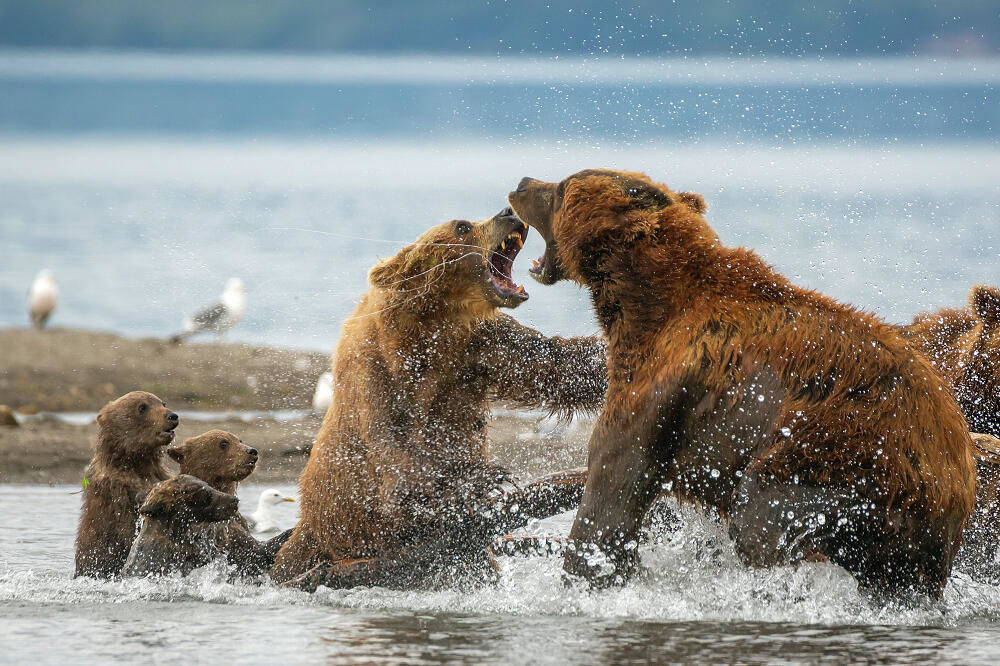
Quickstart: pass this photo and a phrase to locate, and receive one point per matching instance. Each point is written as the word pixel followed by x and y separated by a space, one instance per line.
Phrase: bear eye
pixel 143 408
pixel 463 228
pixel 223 444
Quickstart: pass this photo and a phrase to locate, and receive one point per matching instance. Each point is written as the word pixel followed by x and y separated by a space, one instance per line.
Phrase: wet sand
pixel 62 370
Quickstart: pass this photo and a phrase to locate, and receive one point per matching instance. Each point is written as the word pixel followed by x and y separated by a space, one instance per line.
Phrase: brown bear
pixel 399 489
pixel 175 536
pixel 811 427
pixel 978 554
pixel 964 345
pixel 132 432
pixel 222 460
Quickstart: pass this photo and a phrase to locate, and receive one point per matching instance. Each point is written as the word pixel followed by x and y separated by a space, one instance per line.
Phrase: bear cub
pixel 222 460
pixel 173 536
pixel 132 432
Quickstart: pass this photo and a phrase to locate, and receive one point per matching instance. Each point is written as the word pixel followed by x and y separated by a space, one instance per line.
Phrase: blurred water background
pixel 144 180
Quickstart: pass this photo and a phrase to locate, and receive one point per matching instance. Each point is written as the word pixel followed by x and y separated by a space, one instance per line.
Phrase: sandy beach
pixel 45 376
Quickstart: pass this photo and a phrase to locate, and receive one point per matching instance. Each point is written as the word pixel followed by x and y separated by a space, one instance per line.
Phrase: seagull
pixel 323 397
pixel 262 520
pixel 43 297
pixel 219 317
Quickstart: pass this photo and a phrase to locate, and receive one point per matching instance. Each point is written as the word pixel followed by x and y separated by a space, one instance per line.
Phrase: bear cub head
pixel 217 457
pixel 136 425
pixel 184 499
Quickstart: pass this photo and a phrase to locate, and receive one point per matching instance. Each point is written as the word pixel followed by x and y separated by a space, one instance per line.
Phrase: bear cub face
pixel 461 261
pixel 217 457
pixel 139 419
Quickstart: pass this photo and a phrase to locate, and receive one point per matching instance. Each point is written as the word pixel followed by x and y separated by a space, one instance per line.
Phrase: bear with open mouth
pixel 812 428
pixel 399 489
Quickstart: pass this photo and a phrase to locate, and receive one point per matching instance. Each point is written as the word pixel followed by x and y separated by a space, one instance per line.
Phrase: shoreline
pixel 57 379
pixel 74 370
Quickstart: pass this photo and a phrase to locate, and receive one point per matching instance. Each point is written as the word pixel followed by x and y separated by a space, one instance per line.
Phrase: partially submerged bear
pixel 964 345
pixel 132 432
pixel 175 534
pixel 812 428
pixel 399 489
pixel 222 460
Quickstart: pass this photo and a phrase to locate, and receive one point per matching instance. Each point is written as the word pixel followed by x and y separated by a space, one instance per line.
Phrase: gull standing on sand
pixel 43 297
pixel 219 317
pixel 262 520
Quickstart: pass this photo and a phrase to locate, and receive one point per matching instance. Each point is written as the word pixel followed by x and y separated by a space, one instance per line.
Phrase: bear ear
pixel 399 271
pixel 153 508
pixel 695 201
pixel 985 302
pixel 177 453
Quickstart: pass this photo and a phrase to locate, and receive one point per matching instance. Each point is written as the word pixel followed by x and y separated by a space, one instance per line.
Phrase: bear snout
pixel 252 453
pixel 172 417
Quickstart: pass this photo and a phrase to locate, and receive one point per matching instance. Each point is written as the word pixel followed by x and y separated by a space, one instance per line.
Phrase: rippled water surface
pixel 694 604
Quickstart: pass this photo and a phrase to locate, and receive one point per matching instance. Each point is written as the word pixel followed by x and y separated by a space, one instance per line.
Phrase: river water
pixel 144 182
pixel 694 604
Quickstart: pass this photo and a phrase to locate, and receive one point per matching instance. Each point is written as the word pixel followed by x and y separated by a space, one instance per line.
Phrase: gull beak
pixel 288 499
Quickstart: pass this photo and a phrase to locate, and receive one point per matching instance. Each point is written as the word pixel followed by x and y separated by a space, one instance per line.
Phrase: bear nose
pixel 252 452
pixel 523 185
pixel 172 416
pixel 506 212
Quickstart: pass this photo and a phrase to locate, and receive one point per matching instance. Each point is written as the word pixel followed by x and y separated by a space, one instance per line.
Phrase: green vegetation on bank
pixel 643 27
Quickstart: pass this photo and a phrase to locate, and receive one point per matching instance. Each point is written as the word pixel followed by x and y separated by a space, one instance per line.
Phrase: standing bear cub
pixel 132 432
pixel 399 489
pixel 814 429
pixel 222 460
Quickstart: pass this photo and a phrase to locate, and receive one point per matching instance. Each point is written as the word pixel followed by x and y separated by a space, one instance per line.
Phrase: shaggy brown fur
pixel 128 461
pixel 982 534
pixel 964 345
pixel 811 427
pixel 222 460
pixel 176 535
pixel 400 468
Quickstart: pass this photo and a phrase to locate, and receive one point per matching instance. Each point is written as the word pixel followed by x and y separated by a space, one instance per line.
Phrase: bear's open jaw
pixel 502 260
pixel 168 432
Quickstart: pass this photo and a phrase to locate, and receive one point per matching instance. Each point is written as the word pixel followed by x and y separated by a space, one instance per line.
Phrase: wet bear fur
pixel 176 534
pixel 400 470
pixel 812 428
pixel 222 460
pixel 964 345
pixel 132 432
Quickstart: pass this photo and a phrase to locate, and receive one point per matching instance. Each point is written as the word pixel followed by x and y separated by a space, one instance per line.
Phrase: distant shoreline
pixel 74 370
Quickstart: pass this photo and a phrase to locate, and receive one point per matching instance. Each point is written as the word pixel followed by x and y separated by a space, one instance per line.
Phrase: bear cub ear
pixel 153 508
pixel 985 302
pixel 176 453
